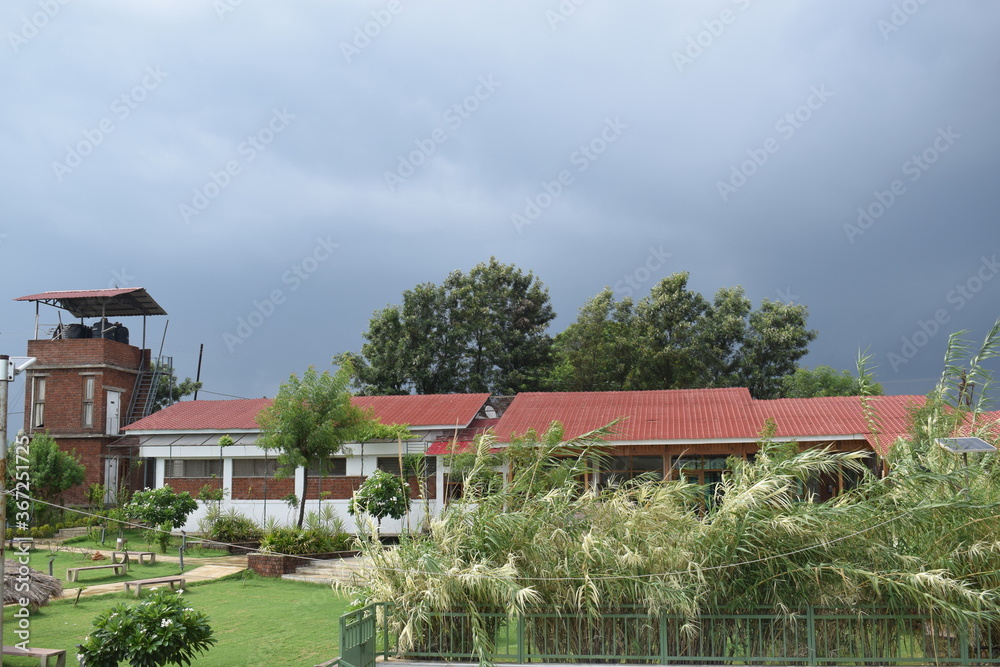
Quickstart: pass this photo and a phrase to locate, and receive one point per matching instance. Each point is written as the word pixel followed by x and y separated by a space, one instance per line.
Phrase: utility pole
pixel 7 372
pixel 6 375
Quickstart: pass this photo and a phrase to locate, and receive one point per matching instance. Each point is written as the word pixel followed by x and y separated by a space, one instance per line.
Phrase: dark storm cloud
pixel 273 173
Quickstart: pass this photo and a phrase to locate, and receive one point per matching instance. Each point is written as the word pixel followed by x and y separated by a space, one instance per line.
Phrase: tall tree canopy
pixel 675 338
pixel 312 417
pixel 823 381
pixel 481 331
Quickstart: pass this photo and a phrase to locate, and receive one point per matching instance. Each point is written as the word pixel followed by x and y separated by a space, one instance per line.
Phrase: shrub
pixel 233 526
pixel 296 541
pixel 158 631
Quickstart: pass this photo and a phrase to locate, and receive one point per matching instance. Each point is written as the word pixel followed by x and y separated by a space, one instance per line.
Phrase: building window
pixel 38 405
pixel 390 464
pixel 255 467
pixel 88 401
pixel 618 469
pixel 193 468
pixel 335 467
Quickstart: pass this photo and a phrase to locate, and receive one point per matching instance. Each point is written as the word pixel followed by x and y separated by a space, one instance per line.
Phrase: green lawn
pixel 39 560
pixel 136 542
pixel 257 621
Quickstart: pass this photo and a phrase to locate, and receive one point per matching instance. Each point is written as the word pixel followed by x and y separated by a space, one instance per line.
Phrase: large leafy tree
pixel 50 471
pixel 481 331
pixel 312 418
pixel 675 338
pixel 824 381
pixel 597 352
pixel 776 339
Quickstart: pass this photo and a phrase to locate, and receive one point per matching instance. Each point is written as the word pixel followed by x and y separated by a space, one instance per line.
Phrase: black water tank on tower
pixel 121 333
pixel 76 330
pixel 104 329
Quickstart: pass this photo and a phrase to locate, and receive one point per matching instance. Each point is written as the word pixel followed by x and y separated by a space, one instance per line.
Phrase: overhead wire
pixel 610 577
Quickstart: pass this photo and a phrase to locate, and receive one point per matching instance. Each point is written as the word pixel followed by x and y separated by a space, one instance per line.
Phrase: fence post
pixel 385 629
pixel 521 648
pixel 663 639
pixel 811 633
pixel 963 642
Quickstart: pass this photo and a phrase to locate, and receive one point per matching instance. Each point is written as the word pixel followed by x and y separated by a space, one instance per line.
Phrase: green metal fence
pixel 809 636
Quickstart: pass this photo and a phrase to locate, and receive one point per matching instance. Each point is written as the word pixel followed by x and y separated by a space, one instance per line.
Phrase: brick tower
pixel 89 382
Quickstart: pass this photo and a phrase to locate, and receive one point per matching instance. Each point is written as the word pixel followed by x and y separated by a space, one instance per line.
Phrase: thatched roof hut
pixel 40 586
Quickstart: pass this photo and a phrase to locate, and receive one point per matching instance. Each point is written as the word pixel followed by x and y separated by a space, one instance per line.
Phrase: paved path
pixel 208 568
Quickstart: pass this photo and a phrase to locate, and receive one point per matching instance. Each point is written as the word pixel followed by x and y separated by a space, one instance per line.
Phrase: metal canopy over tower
pixel 102 303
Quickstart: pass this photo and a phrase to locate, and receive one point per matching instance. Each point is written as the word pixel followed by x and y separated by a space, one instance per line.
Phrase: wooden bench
pixel 42 654
pixel 72 572
pixel 147 557
pixel 139 583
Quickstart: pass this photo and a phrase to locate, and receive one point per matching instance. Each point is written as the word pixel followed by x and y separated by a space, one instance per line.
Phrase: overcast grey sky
pixel 274 172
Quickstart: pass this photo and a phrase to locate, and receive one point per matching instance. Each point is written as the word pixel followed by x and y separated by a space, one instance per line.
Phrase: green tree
pixel 675 338
pixel 161 506
pixel 776 339
pixel 597 352
pixel 168 390
pixel 51 471
pixel 481 331
pixel 823 381
pixel 312 417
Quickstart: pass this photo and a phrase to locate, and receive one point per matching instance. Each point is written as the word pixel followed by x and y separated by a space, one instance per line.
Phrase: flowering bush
pixel 382 494
pixel 158 631
pixel 159 506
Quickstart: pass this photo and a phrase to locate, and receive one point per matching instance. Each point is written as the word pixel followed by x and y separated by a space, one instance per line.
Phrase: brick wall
pixel 65 365
pixel 253 488
pixel 336 488
pixel 190 484
pixel 343 488
pixel 83 351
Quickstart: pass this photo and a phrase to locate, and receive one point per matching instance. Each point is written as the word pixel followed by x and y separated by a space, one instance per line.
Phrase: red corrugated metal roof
pixel 679 414
pixel 78 294
pixel 203 415
pixel 453 410
pixel 462 439
pixel 839 415
pixel 118 302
